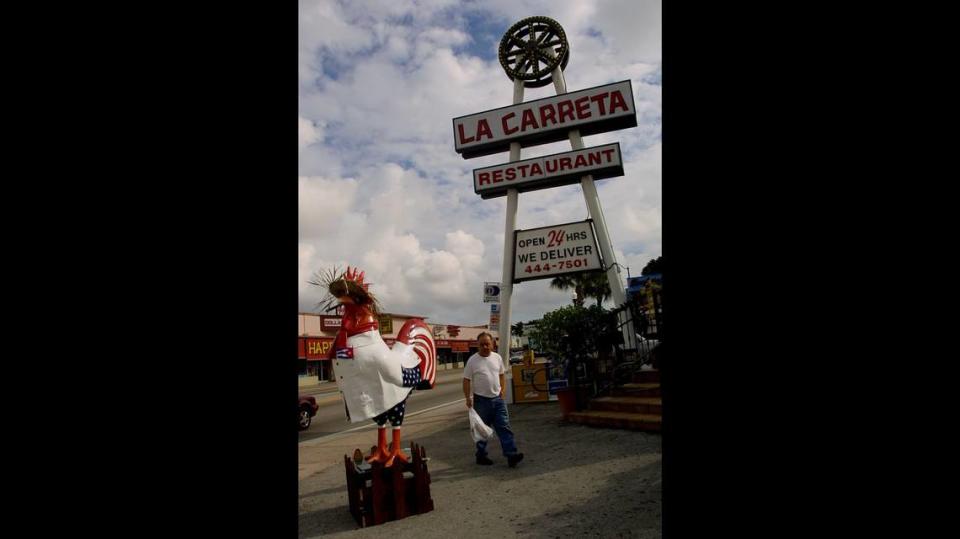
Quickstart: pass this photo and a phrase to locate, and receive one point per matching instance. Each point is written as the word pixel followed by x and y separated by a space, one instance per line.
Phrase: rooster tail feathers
pixel 417 334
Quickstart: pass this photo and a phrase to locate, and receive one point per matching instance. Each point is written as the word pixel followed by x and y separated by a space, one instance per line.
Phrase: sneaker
pixel 512 460
pixel 484 461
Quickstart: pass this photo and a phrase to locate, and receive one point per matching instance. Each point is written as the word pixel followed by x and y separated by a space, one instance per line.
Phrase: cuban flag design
pixel 344 353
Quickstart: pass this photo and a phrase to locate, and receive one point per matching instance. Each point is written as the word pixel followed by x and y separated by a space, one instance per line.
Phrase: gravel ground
pixel 575 481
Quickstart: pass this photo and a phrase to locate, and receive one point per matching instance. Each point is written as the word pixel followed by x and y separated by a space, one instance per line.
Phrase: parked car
pixel 308 409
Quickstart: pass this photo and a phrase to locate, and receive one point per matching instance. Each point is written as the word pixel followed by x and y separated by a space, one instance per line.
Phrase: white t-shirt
pixel 484 374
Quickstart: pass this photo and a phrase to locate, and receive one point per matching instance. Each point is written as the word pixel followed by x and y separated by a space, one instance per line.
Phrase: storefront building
pixel 454 343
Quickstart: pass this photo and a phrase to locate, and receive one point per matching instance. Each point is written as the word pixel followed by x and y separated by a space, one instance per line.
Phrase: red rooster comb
pixel 338 284
pixel 352 275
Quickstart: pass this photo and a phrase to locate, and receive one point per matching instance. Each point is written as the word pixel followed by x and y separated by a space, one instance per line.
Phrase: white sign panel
pixel 494 316
pixel 491 292
pixel 594 110
pixel 549 171
pixel 546 252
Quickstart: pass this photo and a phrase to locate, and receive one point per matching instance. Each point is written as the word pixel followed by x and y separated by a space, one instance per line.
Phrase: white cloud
pixel 324 204
pixel 309 133
pixel 380 184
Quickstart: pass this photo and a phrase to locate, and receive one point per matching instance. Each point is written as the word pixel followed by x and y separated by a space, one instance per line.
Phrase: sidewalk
pixel 574 480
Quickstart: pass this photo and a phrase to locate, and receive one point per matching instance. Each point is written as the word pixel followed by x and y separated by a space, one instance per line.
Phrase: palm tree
pixel 591 284
pixel 566 282
pixel 597 286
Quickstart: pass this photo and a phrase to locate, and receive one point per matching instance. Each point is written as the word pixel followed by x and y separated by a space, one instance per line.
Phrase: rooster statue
pixel 373 379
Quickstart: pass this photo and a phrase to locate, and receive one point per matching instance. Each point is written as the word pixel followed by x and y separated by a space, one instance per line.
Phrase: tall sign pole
pixel 510 224
pixel 534 52
pixel 506 287
pixel 595 212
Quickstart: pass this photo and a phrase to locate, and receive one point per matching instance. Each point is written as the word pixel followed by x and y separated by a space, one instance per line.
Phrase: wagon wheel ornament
pixel 530 41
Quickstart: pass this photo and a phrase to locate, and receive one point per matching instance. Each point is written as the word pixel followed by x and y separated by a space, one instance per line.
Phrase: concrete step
pixel 637 390
pixel 639 405
pixel 617 420
pixel 647 377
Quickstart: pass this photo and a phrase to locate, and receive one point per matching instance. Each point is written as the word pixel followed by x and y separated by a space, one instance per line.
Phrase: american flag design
pixel 417 334
pixel 411 377
pixel 394 415
pixel 344 353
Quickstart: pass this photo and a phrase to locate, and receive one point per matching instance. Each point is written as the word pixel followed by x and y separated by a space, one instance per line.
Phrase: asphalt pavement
pixel 330 419
pixel 574 481
pixel 329 388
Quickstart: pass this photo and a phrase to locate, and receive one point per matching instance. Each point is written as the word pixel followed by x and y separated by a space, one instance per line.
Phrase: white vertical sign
pixel 491 292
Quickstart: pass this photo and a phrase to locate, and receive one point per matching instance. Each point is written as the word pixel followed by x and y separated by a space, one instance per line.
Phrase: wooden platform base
pixel 379 494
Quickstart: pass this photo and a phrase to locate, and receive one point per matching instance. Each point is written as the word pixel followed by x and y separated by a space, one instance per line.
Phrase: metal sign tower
pixel 533 53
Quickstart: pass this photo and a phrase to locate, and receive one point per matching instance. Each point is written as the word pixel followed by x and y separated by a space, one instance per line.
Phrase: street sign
pixel 491 292
pixel 495 308
pixel 386 324
pixel 546 252
pixel 330 323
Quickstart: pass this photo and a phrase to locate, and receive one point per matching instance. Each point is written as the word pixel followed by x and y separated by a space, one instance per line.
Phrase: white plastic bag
pixel 478 429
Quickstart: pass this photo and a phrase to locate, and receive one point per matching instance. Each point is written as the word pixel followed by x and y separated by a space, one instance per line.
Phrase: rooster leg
pixel 395 452
pixel 380 454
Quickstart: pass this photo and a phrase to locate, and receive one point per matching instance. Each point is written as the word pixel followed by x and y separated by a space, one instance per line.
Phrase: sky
pixel 380 185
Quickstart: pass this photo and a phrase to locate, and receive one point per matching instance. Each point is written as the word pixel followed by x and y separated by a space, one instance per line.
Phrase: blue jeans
pixel 493 412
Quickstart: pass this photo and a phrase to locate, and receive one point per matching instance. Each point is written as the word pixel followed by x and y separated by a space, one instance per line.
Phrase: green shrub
pixel 575 332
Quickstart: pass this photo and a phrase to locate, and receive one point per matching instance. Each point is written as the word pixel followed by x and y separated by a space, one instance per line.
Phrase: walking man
pixel 483 388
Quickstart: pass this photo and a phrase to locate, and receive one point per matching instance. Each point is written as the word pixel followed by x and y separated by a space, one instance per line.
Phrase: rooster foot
pixel 379 452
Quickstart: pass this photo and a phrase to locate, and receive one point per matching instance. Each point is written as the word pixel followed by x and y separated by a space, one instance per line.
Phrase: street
pixel 331 418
